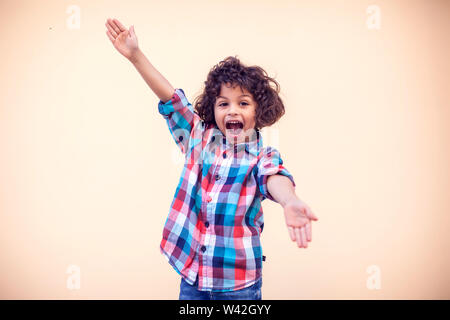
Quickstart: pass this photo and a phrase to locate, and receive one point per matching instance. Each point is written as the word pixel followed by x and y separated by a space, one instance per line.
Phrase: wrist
pixel 136 56
pixel 289 198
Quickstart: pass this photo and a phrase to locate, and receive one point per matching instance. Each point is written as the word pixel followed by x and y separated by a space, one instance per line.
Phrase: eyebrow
pixel 243 95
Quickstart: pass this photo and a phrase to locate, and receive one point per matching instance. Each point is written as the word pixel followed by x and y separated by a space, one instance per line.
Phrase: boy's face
pixel 235 104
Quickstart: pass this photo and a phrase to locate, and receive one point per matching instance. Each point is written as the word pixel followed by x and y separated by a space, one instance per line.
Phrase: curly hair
pixel 254 79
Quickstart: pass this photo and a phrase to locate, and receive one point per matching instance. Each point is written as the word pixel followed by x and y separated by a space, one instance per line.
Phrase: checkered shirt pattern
pixel 215 220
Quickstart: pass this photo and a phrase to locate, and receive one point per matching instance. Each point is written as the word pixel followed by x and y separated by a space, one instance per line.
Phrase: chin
pixel 240 137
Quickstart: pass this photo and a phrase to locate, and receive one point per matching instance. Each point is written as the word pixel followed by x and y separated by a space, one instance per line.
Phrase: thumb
pixel 132 34
pixel 311 215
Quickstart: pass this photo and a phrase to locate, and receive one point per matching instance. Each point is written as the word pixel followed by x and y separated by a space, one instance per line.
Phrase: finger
pixel 299 238
pixel 108 24
pixel 308 231
pixel 110 36
pixel 303 234
pixel 119 25
pixel 110 29
pixel 115 27
pixel 291 233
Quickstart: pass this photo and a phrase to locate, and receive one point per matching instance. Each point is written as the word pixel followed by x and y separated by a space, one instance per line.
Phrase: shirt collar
pixel 253 146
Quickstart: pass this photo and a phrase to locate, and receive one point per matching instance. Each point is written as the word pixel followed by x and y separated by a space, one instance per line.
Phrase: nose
pixel 233 109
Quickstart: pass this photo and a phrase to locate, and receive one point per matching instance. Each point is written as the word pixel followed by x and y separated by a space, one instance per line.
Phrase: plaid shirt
pixel 215 221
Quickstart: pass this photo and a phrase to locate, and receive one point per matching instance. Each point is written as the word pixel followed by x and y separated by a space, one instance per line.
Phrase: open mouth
pixel 234 127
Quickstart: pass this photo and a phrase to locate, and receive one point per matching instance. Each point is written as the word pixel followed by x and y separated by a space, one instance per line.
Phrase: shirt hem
pixel 245 285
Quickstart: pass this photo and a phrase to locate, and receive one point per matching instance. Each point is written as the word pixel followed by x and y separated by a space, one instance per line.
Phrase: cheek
pixel 218 117
pixel 251 117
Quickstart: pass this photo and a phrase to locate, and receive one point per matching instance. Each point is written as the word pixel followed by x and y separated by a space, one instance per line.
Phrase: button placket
pixel 205 256
pixel 206 238
pixel 206 243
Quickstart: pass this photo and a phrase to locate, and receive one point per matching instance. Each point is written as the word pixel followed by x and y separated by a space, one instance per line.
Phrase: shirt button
pixel 209 199
pixel 217 177
pixel 224 154
pixel 213 138
pixel 207 224
pixel 180 138
pixel 203 248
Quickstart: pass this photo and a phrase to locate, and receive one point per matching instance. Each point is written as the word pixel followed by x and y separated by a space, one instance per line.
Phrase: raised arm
pixel 156 81
pixel 125 41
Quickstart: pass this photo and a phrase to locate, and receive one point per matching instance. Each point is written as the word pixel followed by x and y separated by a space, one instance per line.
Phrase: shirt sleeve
pixel 269 163
pixel 180 117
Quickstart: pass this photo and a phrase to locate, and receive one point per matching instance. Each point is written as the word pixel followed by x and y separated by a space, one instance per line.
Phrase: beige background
pixel 87 171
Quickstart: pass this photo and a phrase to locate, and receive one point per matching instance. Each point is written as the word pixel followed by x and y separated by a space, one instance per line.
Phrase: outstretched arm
pixel 281 189
pixel 297 214
pixel 125 41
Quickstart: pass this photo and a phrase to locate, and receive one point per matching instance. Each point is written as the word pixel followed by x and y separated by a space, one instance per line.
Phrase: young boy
pixel 212 233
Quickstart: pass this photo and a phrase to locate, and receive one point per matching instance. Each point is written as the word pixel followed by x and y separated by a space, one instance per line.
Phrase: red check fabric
pixel 215 220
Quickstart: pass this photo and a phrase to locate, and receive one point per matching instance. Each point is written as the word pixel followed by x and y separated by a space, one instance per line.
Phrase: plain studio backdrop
pixel 88 168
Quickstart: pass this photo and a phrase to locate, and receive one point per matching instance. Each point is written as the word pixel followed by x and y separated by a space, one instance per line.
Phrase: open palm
pixel 124 40
pixel 298 217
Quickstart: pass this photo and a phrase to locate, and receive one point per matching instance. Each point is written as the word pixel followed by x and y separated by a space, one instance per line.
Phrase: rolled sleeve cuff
pixel 263 185
pixel 269 164
pixel 177 102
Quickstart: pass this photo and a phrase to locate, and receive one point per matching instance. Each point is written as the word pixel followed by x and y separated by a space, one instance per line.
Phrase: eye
pixel 226 103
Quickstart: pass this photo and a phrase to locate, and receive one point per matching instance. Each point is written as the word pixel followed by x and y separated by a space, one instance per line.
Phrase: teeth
pixel 234 122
